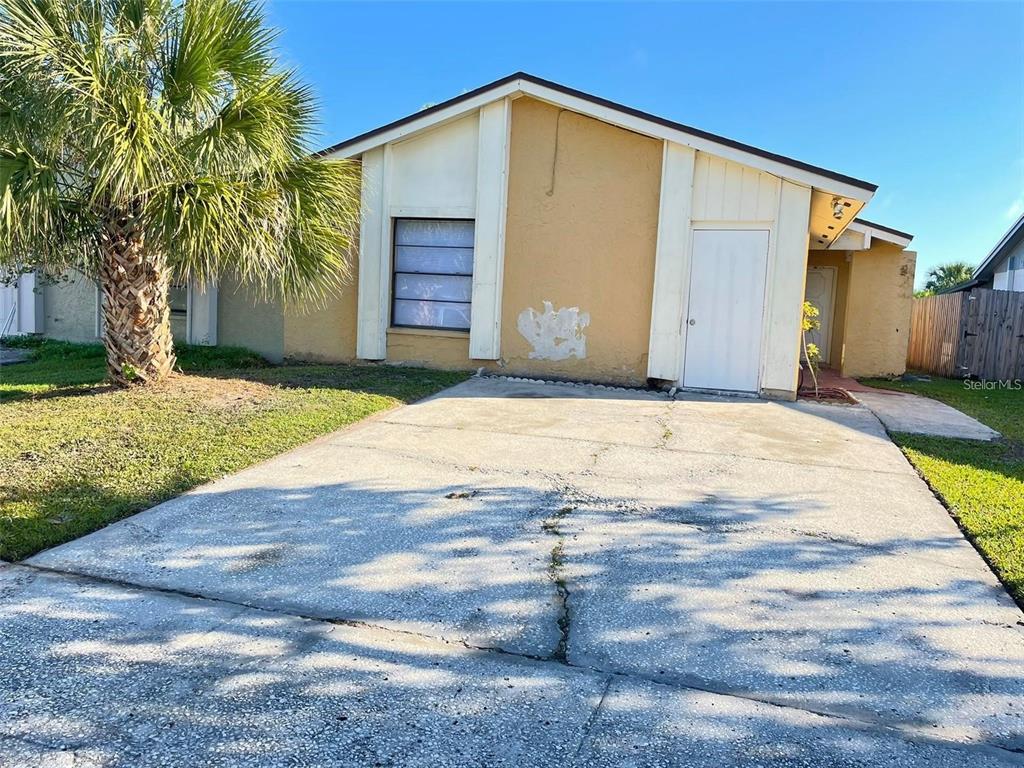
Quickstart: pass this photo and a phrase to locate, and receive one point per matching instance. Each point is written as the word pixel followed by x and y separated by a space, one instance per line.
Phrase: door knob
pixel 692 321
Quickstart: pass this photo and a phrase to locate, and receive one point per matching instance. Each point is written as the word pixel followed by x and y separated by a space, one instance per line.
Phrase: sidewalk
pixel 904 412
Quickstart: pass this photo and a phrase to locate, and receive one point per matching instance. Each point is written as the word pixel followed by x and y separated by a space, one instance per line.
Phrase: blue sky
pixel 924 99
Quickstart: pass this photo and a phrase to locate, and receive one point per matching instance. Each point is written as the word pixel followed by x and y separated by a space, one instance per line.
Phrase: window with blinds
pixel 433 273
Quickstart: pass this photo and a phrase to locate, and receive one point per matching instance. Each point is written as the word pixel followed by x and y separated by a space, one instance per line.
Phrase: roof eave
pixel 521 83
pixel 882 232
pixel 960 287
pixel 466 102
pixel 1006 242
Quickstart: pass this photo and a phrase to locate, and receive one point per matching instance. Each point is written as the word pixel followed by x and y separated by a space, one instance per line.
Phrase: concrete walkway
pixel 521 574
pixel 903 412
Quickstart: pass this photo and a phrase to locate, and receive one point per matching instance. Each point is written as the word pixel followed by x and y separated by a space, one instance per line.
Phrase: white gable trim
pixel 407 129
pixel 870 233
pixel 701 144
pixel 608 114
pixel 995 256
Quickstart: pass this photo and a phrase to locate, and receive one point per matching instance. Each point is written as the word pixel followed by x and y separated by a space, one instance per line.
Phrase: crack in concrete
pixel 556 564
pixel 689 517
pixel 613 444
pixel 666 430
pixel 589 725
pixel 703 523
pixel 861 721
pixel 595 457
pixel 676 515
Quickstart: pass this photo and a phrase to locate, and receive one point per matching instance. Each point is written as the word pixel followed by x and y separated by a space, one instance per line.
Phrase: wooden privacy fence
pixel 978 334
pixel 935 334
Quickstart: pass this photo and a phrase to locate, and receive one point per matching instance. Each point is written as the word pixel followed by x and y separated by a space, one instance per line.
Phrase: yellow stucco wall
pixel 447 350
pixel 838 260
pixel 581 233
pixel 878 303
pixel 325 333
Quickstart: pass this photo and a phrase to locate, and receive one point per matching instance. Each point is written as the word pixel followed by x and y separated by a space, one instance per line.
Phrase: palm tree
pixel 947 276
pixel 145 141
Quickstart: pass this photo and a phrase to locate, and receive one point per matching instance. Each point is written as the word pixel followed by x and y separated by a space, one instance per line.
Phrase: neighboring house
pixel 20 312
pixel 1003 268
pixel 68 307
pixel 528 228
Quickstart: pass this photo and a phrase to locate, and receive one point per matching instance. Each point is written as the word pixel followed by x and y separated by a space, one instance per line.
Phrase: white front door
pixel 725 310
pixel 821 291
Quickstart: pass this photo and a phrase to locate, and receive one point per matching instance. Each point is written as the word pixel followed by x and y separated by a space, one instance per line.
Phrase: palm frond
pixel 176 113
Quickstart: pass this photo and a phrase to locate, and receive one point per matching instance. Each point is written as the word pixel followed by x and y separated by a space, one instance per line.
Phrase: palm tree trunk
pixel 136 313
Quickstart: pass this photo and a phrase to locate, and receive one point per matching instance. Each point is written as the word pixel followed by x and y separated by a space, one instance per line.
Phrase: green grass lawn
pixel 76 454
pixel 981 483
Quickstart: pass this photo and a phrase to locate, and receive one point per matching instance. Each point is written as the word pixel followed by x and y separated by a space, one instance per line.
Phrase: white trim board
pixel 489 230
pixel 870 233
pixel 671 264
pixel 701 144
pixel 619 116
pixel 371 340
pixel 429 120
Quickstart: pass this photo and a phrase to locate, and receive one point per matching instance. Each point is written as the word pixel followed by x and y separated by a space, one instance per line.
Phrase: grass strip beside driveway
pixel 981 483
pixel 76 455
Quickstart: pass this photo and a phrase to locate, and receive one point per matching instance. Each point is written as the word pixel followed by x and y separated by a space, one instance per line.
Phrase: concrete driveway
pixel 522 574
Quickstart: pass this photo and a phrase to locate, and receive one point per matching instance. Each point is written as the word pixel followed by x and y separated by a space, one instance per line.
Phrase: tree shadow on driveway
pixel 126 677
pixel 602 589
pixel 883 635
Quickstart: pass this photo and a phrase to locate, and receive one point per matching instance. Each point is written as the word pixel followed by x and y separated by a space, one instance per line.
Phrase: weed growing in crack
pixel 555 572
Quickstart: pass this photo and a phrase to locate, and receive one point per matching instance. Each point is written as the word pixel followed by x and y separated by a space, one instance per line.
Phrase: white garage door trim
pixel 725 309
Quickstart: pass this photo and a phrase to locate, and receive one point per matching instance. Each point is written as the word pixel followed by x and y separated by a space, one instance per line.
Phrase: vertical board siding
pixel 726 191
pixel 978 334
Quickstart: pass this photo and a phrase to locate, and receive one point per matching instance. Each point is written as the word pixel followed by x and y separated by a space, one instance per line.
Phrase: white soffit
pixel 824 227
pixel 624 117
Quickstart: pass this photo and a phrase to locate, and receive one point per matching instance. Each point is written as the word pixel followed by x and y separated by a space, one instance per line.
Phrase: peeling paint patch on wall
pixel 554 334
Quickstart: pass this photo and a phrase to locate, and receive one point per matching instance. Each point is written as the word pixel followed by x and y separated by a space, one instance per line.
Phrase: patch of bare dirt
pixel 217 392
